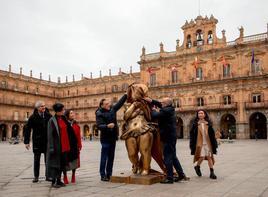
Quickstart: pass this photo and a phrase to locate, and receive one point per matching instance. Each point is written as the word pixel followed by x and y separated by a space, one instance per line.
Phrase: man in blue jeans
pixel 107 124
pixel 167 125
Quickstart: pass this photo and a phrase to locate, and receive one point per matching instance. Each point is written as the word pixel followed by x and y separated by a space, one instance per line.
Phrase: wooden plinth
pixel 129 178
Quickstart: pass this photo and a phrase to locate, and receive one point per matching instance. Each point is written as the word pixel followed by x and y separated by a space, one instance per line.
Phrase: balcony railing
pixel 16 102
pixel 251 105
pixel 210 107
pixel 254 38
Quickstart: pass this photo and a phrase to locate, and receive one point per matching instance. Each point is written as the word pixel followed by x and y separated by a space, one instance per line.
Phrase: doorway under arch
pixel 258 124
pixel 228 126
pixel 179 128
pixel 86 131
pixel 3 132
pixel 15 130
pixel 95 130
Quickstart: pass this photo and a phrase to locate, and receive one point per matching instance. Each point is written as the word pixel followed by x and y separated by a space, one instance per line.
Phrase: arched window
pixel 114 88
pixel 210 37
pixel 256 66
pixel 199 73
pixel 199 37
pixel 152 79
pixel 174 76
pixel 256 98
pixel 189 42
pixel 176 103
pixel 124 86
pixel 200 102
pixel 227 100
pixel 226 70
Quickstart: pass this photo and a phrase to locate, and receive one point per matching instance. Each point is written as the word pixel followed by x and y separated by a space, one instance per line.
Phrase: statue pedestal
pixel 130 178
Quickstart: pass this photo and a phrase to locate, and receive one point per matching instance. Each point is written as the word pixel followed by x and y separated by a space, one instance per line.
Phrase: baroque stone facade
pixel 228 79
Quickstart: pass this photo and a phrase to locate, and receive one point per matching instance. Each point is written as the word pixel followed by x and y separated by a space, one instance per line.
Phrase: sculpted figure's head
pixel 137 92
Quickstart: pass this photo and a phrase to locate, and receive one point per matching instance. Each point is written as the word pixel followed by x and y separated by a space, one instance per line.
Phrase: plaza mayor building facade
pixel 229 79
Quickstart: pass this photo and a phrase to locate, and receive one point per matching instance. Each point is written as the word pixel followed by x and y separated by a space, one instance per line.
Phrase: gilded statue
pixel 141 136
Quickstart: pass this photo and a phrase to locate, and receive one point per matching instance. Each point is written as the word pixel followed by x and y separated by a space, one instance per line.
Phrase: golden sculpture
pixel 140 134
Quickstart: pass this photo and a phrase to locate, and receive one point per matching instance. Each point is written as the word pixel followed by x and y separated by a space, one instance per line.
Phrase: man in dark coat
pixel 167 125
pixel 107 124
pixel 37 123
pixel 61 147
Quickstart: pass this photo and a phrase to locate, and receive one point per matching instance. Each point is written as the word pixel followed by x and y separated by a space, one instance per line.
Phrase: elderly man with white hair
pixel 37 123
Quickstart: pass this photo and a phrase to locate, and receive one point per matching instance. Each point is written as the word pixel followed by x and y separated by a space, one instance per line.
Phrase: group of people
pixel 58 138
pixel 203 143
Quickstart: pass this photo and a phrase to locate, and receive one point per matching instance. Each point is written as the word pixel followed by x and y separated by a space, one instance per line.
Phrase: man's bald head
pixel 166 101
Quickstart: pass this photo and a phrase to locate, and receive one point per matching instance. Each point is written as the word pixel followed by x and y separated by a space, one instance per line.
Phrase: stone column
pixel 242 130
pixel 20 132
pixel 9 131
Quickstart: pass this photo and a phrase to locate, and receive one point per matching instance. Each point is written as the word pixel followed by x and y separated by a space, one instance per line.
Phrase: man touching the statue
pixel 107 124
pixel 167 124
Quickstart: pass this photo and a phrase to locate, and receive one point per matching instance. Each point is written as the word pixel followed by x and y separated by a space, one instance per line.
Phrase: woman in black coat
pixel 203 143
pixel 61 147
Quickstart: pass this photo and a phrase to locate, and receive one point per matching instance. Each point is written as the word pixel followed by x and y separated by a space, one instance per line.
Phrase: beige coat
pixel 199 142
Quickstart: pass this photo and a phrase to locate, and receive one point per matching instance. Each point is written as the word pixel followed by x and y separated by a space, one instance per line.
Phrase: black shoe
pixel 181 178
pixel 35 180
pixel 55 185
pixel 198 171
pixel 166 181
pixel 61 184
pixel 104 178
pixel 212 175
pixel 49 179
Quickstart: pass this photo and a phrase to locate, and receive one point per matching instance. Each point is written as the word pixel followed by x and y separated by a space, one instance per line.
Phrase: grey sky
pixel 64 37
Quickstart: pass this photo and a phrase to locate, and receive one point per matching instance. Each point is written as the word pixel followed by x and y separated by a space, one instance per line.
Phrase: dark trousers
pixel 107 159
pixel 171 160
pixel 37 156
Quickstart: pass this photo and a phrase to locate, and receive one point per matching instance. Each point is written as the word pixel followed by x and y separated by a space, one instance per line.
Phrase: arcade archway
pixel 95 130
pixel 228 126
pixel 258 125
pixel 86 131
pixel 15 130
pixel 3 132
pixel 179 128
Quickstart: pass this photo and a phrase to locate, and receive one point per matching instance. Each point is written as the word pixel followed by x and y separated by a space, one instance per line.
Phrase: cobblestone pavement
pixel 241 167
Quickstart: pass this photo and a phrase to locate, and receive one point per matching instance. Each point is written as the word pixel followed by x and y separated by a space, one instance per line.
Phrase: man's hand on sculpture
pixel 110 125
pixel 148 99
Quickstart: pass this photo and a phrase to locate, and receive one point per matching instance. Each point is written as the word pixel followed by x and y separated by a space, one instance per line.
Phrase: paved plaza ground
pixel 241 167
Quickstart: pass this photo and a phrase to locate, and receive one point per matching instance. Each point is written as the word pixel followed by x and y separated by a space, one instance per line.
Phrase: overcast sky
pixel 65 37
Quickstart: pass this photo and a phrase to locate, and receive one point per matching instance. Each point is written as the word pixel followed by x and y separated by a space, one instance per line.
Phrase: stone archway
pixel 228 126
pixel 86 131
pixel 95 130
pixel 15 130
pixel 3 132
pixel 179 128
pixel 258 124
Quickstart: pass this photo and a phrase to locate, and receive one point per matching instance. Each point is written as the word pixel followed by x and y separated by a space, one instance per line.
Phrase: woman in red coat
pixel 75 164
